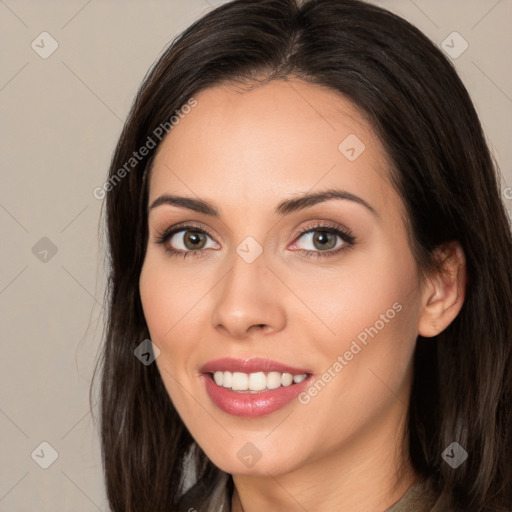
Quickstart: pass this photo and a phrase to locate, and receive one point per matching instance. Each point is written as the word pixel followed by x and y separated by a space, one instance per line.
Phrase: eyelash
pixel 345 234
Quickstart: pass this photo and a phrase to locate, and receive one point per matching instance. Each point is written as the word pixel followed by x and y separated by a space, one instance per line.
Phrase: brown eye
pixel 324 240
pixel 185 240
pixel 188 240
pixel 194 240
pixel 321 240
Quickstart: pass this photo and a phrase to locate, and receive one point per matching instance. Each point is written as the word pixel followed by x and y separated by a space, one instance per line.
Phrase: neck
pixel 381 498
pixel 367 474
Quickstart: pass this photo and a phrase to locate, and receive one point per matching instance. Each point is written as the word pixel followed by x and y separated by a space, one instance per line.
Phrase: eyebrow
pixel 284 208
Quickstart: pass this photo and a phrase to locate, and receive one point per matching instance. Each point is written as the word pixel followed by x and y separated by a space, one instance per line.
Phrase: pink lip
pixel 252 404
pixel 256 364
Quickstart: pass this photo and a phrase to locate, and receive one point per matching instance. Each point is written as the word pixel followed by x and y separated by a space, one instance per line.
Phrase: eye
pixel 324 239
pixel 185 240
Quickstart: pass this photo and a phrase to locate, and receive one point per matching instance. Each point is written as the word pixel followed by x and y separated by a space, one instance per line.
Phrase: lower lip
pixel 252 404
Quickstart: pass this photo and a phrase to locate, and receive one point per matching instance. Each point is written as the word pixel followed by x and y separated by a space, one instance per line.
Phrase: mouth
pixel 253 387
pixel 255 382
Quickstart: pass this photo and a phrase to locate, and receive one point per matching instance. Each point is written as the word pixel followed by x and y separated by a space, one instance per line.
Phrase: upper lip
pixel 253 365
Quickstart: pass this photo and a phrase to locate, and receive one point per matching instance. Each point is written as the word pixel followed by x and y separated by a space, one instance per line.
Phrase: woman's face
pixel 342 307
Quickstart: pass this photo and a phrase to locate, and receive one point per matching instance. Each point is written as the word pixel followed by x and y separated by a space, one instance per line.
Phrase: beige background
pixel 61 117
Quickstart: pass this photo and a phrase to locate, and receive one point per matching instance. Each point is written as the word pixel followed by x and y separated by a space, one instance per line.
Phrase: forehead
pixel 268 141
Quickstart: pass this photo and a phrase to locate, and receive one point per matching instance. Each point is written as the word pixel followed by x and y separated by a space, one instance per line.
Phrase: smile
pixel 254 382
pixel 254 387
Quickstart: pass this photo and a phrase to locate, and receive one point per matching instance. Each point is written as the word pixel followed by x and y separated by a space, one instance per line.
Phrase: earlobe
pixel 444 291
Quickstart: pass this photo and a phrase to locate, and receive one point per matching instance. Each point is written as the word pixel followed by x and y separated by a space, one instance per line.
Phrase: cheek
pixel 382 313
pixel 156 300
pixel 167 297
pixel 159 288
pixel 367 362
pixel 375 289
pixel 173 310
pixel 374 312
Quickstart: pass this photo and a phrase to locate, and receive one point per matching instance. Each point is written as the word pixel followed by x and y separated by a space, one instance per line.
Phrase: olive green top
pixel 418 498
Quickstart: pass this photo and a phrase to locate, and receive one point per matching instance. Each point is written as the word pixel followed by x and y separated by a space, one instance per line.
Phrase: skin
pixel 245 150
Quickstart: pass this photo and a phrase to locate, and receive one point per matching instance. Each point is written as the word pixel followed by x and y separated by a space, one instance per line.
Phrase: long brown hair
pixel 443 170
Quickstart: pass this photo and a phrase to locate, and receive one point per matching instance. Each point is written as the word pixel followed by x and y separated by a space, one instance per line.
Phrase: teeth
pixel 273 380
pixel 227 379
pixel 257 381
pixel 218 377
pixel 238 381
pixel 286 379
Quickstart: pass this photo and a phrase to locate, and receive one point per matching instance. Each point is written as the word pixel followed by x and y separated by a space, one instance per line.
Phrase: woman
pixel 304 218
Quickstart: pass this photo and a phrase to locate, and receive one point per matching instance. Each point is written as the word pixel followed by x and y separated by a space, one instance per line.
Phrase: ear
pixel 444 291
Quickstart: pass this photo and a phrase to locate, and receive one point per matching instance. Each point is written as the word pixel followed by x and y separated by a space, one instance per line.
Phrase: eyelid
pixel 322 225
pixel 318 224
pixel 183 226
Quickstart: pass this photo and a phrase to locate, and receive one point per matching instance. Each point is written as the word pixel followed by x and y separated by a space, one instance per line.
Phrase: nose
pixel 248 301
